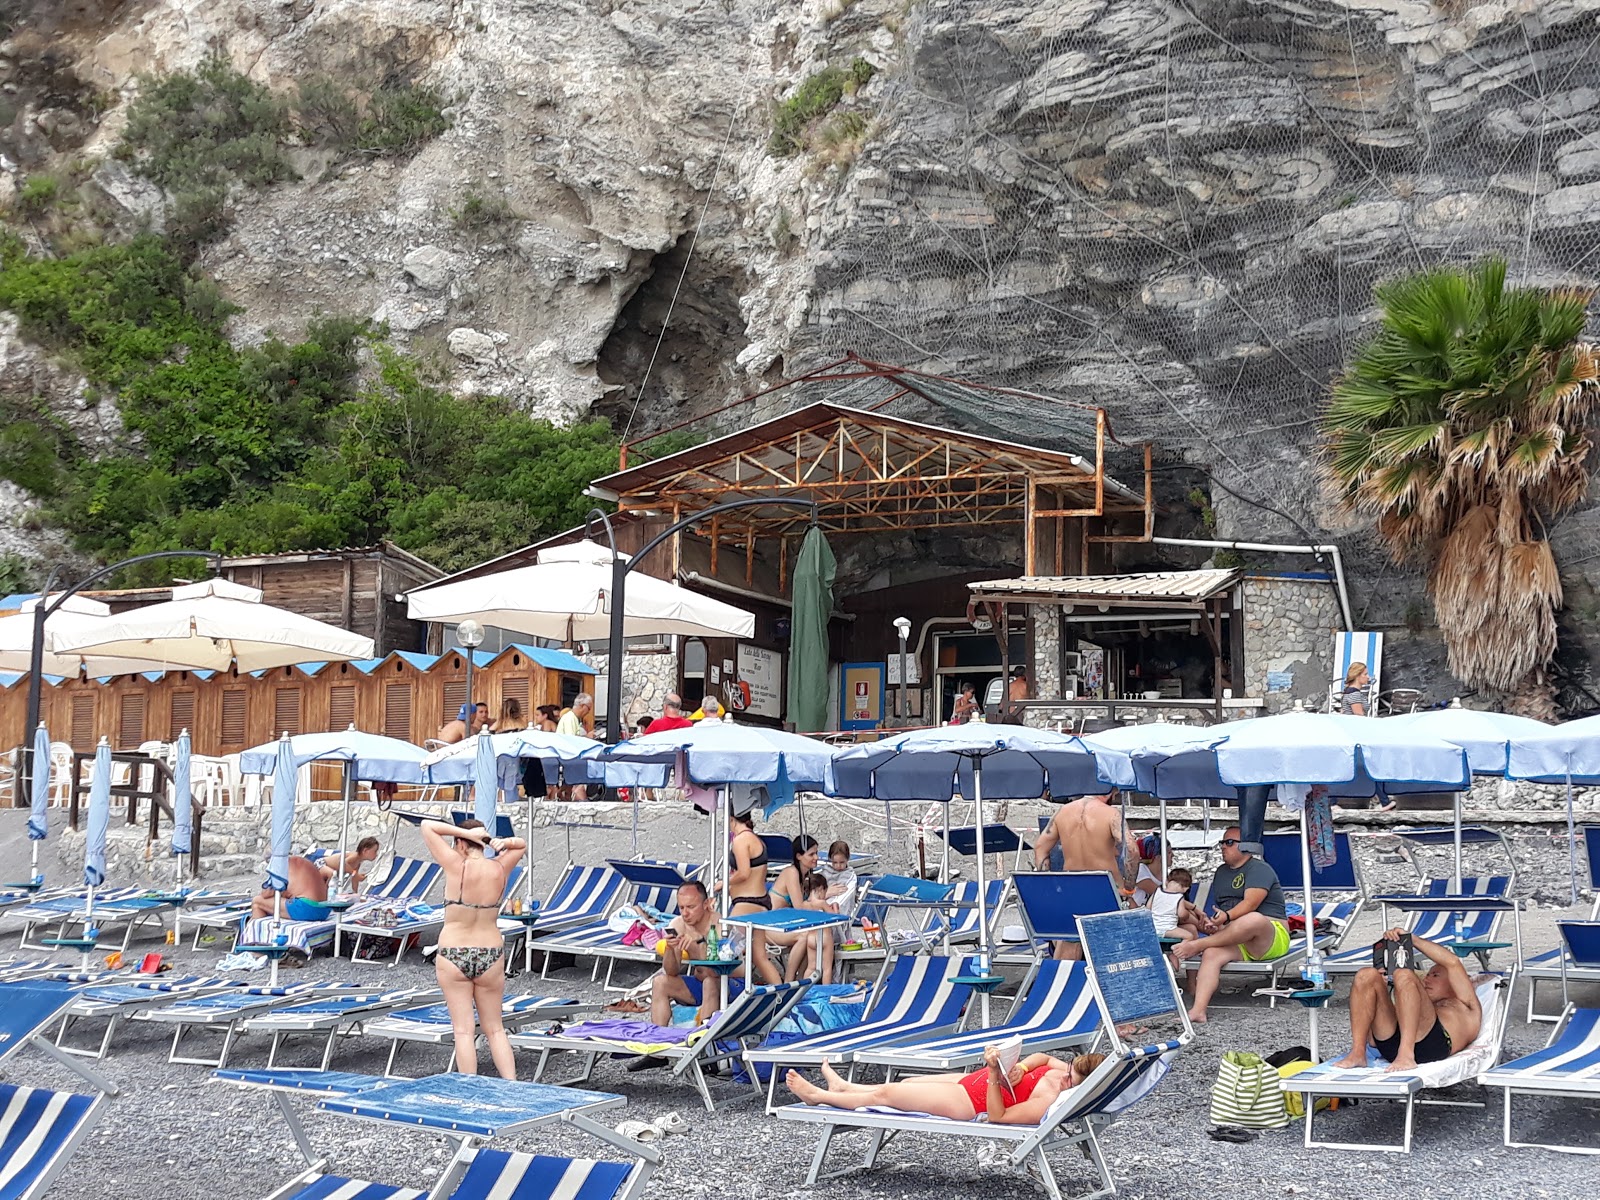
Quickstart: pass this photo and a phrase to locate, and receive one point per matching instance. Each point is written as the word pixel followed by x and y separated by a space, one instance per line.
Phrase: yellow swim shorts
pixel 1279 947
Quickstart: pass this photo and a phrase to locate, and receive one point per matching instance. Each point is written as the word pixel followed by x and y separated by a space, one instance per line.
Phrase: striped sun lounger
pixel 470 1109
pixel 651 885
pixel 331 1016
pixel 1056 1010
pixel 40 1128
pixel 430 1024
pixel 418 920
pixel 1576 960
pixel 123 1000
pixel 916 997
pixel 1130 982
pixel 226 1013
pixel 749 1018
pixel 1567 1068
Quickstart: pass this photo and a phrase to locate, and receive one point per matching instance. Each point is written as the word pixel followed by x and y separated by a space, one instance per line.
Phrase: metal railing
pixel 162 786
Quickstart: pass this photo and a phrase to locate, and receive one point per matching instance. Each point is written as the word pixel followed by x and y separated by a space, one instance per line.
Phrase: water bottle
pixel 711 943
pixel 1316 971
pixel 729 950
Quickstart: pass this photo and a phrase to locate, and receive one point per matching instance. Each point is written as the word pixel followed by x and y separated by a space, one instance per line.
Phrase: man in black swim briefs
pixel 1413 1019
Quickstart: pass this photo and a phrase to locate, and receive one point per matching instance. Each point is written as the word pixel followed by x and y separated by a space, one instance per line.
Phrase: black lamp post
pixel 619 584
pixel 42 612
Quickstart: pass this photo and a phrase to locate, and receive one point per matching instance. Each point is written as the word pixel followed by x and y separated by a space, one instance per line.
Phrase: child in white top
pixel 1175 916
pixel 841 878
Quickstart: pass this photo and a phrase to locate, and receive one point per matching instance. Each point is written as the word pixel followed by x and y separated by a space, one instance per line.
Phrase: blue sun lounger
pixel 227 1012
pixel 916 997
pixel 749 1017
pixel 469 1110
pixel 40 1129
pixel 1576 960
pixel 580 896
pixel 1567 1068
pixel 1468 924
pixel 331 1016
pixel 1055 1010
pixel 1131 982
pixel 125 998
pixel 1051 903
pixel 429 1024
pixel 948 913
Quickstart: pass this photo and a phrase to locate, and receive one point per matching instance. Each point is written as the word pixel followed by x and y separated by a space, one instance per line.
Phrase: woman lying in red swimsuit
pixel 1036 1082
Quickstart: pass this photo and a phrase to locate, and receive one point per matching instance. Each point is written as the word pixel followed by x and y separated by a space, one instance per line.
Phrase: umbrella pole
pixel 888 828
pixel 348 790
pixel 527 895
pixel 1572 838
pixel 1305 898
pixel 983 901
pixel 88 926
pixel 277 915
pixel 944 865
pixel 633 794
pixel 1456 882
pixel 726 906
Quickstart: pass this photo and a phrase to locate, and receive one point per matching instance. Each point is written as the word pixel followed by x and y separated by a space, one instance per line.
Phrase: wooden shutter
pixel 515 688
pixel 342 706
pixel 130 720
pixel 234 707
pixel 182 715
pixel 285 711
pixel 397 711
pixel 82 736
pixel 455 695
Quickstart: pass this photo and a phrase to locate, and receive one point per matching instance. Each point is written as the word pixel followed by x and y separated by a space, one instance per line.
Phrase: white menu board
pixel 762 671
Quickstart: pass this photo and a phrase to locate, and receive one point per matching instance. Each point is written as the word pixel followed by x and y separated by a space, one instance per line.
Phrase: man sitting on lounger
pixel 305 883
pixel 1424 1018
pixel 1251 922
pixel 686 939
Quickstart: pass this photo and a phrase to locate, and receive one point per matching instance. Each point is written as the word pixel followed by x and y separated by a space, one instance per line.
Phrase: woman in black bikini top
pixel 469 963
pixel 747 887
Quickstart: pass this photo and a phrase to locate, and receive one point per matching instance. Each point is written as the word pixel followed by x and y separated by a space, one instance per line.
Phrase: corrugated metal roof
pixel 1156 585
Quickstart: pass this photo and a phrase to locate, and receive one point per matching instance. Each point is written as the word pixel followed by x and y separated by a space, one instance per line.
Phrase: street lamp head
pixel 903 627
pixel 469 634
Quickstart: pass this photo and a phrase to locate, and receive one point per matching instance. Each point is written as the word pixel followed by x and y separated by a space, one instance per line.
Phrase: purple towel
pixel 617 1030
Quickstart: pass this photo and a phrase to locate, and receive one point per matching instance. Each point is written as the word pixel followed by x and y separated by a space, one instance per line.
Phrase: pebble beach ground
pixel 174 1134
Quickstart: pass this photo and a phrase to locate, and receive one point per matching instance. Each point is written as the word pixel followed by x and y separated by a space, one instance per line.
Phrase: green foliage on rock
pixel 272 447
pixel 817 96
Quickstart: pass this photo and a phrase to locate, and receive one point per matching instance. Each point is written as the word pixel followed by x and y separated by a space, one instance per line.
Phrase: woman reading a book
pixel 1018 1096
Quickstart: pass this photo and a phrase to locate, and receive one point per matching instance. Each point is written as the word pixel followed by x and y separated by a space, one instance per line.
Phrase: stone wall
pixel 647 676
pixel 1289 624
pixel 1046 674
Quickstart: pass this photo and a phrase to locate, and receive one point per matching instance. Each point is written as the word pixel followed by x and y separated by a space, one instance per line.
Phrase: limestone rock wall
pixel 1288 640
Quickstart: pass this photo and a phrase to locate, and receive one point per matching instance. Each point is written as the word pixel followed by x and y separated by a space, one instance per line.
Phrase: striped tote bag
pixel 1248 1092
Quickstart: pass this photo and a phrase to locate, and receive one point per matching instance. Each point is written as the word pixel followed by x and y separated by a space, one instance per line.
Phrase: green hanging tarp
pixel 808 634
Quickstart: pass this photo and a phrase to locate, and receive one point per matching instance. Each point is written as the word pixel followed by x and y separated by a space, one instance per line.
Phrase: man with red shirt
pixel 671 715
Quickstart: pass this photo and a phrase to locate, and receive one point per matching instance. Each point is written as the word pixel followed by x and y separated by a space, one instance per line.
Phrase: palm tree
pixel 1463 428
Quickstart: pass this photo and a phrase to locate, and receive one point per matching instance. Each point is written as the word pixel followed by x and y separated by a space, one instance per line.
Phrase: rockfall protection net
pixel 1177 210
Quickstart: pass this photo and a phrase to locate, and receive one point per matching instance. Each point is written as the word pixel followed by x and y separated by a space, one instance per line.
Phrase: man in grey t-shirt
pixel 1251 923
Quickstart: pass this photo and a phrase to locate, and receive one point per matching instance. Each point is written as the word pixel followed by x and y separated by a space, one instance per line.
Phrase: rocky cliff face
pixel 1171 208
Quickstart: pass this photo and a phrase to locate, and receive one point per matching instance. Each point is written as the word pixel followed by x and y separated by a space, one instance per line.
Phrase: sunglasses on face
pixel 1229 842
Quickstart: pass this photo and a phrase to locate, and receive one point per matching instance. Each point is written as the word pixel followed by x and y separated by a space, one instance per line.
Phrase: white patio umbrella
pixel 366 757
pixel 77 615
pixel 212 626
pixel 566 597
pixel 1004 762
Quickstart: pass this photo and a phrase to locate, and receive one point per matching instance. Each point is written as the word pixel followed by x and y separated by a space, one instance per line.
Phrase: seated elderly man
pixel 1251 922
pixel 306 882
pixel 1410 1018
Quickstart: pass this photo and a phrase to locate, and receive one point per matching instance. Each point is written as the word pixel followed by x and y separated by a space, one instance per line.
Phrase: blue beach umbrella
pixel 485 787
pixel 182 796
pixel 94 847
pixel 283 789
pixel 38 822
pixel 1567 754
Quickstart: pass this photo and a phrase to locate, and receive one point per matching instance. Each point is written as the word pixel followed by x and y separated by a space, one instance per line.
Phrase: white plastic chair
pixel 60 773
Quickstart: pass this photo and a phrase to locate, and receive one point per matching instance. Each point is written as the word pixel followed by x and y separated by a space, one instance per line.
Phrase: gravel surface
pixel 174 1134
